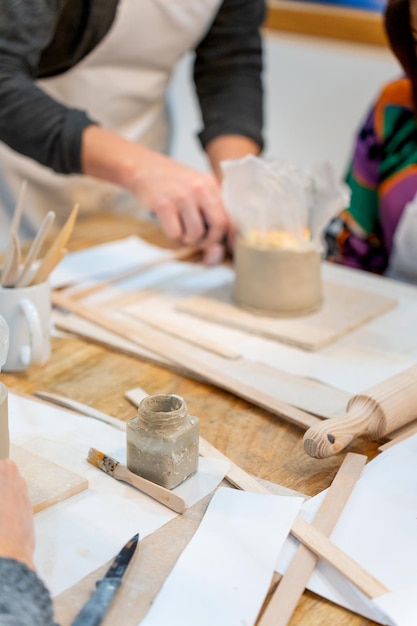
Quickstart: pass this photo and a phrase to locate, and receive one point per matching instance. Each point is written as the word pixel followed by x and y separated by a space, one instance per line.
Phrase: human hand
pixel 187 203
pixel 17 537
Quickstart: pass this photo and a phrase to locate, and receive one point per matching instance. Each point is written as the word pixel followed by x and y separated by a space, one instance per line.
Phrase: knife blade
pixel 94 610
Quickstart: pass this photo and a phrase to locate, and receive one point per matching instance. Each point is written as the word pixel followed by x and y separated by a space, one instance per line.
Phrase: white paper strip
pixel 75 537
pixel 378 528
pixel 105 260
pixel 223 575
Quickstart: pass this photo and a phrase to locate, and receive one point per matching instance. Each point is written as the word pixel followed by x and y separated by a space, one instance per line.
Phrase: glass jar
pixel 162 441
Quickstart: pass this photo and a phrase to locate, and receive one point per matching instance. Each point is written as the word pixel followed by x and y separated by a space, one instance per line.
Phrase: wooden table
pixel 258 441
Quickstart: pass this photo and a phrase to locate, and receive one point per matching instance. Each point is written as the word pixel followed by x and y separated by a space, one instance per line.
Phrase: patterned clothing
pixel 383 179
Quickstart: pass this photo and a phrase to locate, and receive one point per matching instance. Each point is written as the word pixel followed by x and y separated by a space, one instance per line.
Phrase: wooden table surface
pixel 258 441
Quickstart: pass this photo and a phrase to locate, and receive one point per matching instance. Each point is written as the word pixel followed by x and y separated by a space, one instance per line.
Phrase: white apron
pixel 123 85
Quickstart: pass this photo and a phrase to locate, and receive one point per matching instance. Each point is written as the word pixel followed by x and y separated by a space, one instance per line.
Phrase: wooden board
pixel 48 483
pixel 344 309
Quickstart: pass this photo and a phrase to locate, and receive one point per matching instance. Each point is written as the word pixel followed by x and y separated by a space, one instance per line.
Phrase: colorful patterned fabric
pixel 383 179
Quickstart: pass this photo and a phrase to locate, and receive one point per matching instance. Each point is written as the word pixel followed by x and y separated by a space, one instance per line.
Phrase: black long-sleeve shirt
pixel 43 38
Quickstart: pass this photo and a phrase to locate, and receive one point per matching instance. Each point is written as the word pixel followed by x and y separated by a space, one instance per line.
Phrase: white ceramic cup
pixel 27 311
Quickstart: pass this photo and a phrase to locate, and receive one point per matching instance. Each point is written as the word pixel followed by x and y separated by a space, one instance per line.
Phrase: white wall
pixel 317 92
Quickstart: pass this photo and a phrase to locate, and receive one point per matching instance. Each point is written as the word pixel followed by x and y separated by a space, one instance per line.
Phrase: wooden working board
pixel 48 483
pixel 344 309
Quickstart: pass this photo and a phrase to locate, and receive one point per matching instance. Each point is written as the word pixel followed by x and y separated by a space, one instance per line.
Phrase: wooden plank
pixel 344 309
pixel 196 359
pixel 295 579
pixel 311 18
pixel 168 325
pixel 305 393
pixel 48 483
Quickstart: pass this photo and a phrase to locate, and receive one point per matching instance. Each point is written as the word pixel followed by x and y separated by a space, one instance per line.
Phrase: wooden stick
pixel 56 252
pixel 120 472
pixel 198 360
pixel 13 252
pixel 11 262
pixel 176 255
pixel 293 583
pixel 327 551
pixel 35 248
pixel 176 330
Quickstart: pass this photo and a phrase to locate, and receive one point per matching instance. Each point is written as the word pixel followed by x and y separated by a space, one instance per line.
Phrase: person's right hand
pixel 187 202
pixel 17 536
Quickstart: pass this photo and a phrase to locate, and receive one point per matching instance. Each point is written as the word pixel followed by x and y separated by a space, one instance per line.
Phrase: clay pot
pixel 277 281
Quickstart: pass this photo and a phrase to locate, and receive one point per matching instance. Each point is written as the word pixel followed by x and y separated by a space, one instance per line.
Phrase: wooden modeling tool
pixel 35 248
pixel 120 472
pixel 11 262
pixel 13 252
pixel 57 250
pixel 374 413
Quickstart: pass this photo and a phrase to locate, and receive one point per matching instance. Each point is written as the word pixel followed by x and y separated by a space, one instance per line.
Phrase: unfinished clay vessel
pixel 276 281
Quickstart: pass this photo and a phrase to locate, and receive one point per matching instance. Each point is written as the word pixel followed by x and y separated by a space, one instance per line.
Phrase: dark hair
pixel 397 24
pixel 398 29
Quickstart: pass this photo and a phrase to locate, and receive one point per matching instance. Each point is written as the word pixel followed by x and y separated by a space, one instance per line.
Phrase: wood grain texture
pixel 344 309
pixel 208 366
pixel 295 579
pixel 313 18
pixel 251 436
pixel 48 483
pixel 384 408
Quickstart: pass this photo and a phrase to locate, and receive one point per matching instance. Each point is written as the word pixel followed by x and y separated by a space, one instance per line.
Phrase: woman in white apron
pixel 116 94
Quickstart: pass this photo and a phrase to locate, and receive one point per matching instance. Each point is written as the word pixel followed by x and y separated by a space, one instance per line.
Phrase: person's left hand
pixel 17 536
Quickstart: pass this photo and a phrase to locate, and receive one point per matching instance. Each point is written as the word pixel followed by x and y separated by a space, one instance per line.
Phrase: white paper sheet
pixel 400 607
pixel 381 348
pixel 378 528
pixel 78 535
pixel 223 575
pixel 105 260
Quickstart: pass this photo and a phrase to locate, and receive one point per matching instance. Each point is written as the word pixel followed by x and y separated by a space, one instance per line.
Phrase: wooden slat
pixel 199 361
pixel 310 18
pixel 293 583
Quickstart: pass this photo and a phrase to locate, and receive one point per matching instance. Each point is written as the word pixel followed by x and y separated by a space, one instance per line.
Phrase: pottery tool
pixel 11 263
pixel 403 433
pixel 294 581
pixel 94 611
pixel 34 249
pixel 79 407
pixel 13 253
pixel 120 472
pixel 374 413
pixel 57 250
